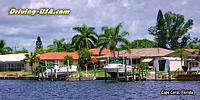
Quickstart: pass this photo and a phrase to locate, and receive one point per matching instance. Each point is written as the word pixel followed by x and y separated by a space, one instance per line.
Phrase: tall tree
pixel 170 28
pixel 126 46
pixel 86 37
pixel 4 49
pixel 185 40
pixel 84 57
pixel 143 43
pixel 57 45
pixel 68 47
pixel 39 43
pixel 111 37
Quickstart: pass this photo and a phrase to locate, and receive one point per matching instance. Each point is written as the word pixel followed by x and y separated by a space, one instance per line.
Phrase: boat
pixel 117 66
pixel 61 71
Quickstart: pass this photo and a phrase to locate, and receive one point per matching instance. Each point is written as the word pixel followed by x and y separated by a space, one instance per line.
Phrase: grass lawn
pixel 27 74
pixel 99 73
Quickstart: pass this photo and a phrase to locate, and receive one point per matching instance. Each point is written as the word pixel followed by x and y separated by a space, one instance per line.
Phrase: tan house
pixel 144 53
pixel 193 59
pixel 134 56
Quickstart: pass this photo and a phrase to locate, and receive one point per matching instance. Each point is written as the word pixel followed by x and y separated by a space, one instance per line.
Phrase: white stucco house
pixel 168 63
pixel 13 62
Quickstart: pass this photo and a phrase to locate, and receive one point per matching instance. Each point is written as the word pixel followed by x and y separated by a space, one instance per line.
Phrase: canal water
pixel 97 90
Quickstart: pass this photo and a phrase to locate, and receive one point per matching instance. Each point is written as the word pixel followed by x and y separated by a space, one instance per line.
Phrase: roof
pixel 12 57
pixel 95 51
pixel 192 50
pixel 58 55
pixel 146 52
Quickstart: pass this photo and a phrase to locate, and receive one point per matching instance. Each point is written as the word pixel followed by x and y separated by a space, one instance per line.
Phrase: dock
pixel 188 77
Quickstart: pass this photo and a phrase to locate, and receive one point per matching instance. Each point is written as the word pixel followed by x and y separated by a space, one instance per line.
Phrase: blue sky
pixel 137 16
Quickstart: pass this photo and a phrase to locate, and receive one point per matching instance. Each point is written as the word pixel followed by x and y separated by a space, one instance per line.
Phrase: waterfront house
pixel 168 63
pixel 150 56
pixel 135 56
pixel 193 59
pixel 96 52
pixel 102 57
pixel 58 58
pixel 13 62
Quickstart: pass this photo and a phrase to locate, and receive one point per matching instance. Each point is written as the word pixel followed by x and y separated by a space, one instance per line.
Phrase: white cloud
pixel 93 3
pixel 137 15
pixel 125 3
pixel 133 28
pixel 13 30
pixel 28 43
pixel 36 4
pixel 195 30
pixel 19 43
pixel 62 21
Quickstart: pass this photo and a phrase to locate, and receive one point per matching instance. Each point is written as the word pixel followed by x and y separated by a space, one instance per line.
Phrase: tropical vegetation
pixel 171 31
pixel 111 37
pixel 31 59
pixel 59 45
pixel 86 37
pixel 171 28
pixel 4 49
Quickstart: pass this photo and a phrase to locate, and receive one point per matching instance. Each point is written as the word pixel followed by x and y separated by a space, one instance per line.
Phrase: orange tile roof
pixel 95 51
pixel 58 55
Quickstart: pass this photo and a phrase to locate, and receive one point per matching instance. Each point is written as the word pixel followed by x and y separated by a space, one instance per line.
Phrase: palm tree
pixel 84 57
pixel 86 37
pixel 68 61
pixel 183 55
pixel 125 46
pixel 39 69
pixel 31 59
pixel 40 51
pixel 57 45
pixel 68 47
pixel 142 66
pixel 111 37
pixel 3 49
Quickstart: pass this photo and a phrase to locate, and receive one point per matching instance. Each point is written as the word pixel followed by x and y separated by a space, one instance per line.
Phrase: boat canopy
pixel 116 62
pixel 147 60
pixel 51 63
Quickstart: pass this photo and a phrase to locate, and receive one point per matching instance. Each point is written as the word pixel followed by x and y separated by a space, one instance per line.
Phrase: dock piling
pixel 105 76
pixel 117 79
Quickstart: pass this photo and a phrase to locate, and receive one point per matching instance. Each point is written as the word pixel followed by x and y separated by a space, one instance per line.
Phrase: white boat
pixel 61 71
pixel 115 66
